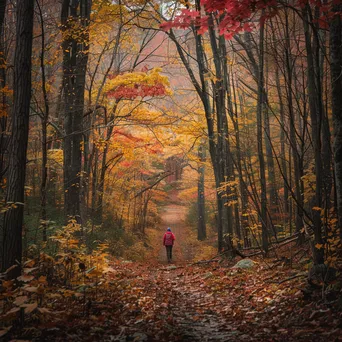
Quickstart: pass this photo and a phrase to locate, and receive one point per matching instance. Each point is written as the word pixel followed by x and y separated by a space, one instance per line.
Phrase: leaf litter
pixel 139 302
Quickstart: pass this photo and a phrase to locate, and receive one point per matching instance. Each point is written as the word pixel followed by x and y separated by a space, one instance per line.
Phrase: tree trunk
pixel 2 13
pixel 315 98
pixel 13 218
pixel 296 157
pixel 75 59
pixel 201 225
pixel 272 188
pixel 223 162
pixel 282 143
pixel 3 104
pixel 260 112
pixel 336 101
pixel 44 122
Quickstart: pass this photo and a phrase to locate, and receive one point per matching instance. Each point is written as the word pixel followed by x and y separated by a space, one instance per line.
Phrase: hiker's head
pixel 168 229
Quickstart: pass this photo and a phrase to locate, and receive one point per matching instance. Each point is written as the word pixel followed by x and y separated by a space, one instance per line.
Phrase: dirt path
pixel 185 304
pixel 173 216
pixel 187 309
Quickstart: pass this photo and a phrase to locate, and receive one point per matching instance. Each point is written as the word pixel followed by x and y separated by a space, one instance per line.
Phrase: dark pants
pixel 169 253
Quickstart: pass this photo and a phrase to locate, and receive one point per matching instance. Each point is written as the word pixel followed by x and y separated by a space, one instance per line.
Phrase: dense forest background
pixel 112 110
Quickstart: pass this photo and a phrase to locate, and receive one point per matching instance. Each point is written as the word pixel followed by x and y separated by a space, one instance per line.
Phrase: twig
pixel 204 262
pixel 290 278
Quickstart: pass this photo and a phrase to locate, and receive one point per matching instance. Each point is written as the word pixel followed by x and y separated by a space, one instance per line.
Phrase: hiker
pixel 168 241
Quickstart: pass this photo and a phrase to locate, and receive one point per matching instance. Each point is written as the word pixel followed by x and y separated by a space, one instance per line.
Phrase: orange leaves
pixel 167 303
pixel 316 208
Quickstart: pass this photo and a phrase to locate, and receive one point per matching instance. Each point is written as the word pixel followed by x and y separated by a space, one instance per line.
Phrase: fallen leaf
pixel 32 289
pixel 25 278
pixel 20 300
pixel 30 307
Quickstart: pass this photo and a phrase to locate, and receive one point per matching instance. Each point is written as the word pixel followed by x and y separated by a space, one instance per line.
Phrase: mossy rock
pixel 244 263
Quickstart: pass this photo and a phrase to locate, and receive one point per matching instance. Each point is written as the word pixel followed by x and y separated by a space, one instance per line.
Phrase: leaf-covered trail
pixel 211 303
pixel 186 307
pixel 173 216
pixel 158 302
pixel 154 301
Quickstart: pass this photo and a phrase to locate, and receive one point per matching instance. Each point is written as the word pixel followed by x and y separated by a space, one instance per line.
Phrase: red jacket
pixel 169 238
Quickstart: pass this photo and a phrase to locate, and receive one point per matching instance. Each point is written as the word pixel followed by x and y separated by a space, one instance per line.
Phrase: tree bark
pixel 44 122
pixel 260 112
pixel 2 13
pixel 13 218
pixel 282 143
pixel 75 59
pixel 3 104
pixel 315 99
pixel 201 225
pixel 336 101
pixel 296 156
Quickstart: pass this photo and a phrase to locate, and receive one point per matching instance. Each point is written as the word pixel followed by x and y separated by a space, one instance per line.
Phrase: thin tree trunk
pixel 336 101
pixel 3 105
pixel 260 111
pixel 282 142
pixel 44 122
pixel 2 13
pixel 315 97
pixel 201 225
pixel 296 157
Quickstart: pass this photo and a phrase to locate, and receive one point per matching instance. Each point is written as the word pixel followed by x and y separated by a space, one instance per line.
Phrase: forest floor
pixel 188 303
pixel 184 301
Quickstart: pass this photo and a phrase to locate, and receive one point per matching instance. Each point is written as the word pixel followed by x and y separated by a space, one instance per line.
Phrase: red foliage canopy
pixel 235 16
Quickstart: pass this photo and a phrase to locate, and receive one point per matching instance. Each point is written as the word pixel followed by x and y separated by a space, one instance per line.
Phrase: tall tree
pixel 316 115
pixel 75 17
pixel 2 13
pixel 336 99
pixel 260 113
pixel 13 218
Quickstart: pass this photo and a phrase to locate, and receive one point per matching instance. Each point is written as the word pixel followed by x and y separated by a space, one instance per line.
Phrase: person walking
pixel 168 242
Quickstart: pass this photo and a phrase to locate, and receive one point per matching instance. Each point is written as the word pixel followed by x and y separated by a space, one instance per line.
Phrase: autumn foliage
pixel 233 16
pixel 130 86
pixel 218 118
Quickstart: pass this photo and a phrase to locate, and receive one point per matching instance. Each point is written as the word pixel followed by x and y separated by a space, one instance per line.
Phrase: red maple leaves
pixel 233 16
pixel 137 90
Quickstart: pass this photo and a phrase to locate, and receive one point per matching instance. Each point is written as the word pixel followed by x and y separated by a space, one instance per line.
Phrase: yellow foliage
pixel 137 252
pixel 130 79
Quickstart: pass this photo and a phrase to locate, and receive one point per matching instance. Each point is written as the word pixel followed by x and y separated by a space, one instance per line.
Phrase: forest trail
pixel 173 216
pixel 189 303
pixel 153 301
